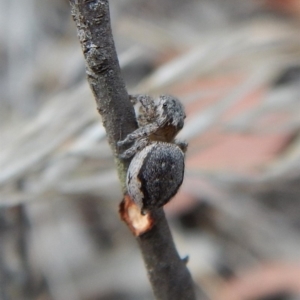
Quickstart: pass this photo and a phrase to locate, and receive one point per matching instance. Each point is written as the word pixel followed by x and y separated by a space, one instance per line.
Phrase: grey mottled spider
pixel 158 119
pixel 157 168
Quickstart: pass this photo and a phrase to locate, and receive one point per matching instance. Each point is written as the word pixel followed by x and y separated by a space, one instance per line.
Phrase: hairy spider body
pixel 157 168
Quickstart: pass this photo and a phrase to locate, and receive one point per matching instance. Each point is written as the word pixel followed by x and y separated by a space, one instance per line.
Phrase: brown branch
pixel 168 274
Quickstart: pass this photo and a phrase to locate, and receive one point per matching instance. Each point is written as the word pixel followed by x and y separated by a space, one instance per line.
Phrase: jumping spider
pixel 157 168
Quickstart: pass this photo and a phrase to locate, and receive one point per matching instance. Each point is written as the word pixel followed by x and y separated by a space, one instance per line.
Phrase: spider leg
pixel 145 100
pixel 136 147
pixel 141 132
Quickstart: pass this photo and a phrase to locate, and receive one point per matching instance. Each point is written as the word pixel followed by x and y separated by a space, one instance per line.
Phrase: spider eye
pixel 165 105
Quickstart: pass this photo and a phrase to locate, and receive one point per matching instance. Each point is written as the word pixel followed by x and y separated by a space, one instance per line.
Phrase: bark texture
pixel 167 272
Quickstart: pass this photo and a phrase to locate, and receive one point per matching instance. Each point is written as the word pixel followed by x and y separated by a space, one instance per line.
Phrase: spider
pixel 156 171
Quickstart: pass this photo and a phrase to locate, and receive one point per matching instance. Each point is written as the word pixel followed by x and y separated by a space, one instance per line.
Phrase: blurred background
pixel 235 64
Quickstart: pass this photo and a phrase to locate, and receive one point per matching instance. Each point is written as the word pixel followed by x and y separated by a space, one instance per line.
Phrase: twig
pixel 103 72
pixel 168 274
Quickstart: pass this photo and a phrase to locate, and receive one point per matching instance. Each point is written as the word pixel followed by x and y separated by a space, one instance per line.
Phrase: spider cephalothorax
pixel 156 171
pixel 159 119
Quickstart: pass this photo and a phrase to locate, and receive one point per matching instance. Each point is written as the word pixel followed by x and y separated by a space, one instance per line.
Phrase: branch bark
pixel 103 73
pixel 167 272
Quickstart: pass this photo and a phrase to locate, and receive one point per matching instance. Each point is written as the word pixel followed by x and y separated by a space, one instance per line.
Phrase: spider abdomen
pixel 155 175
